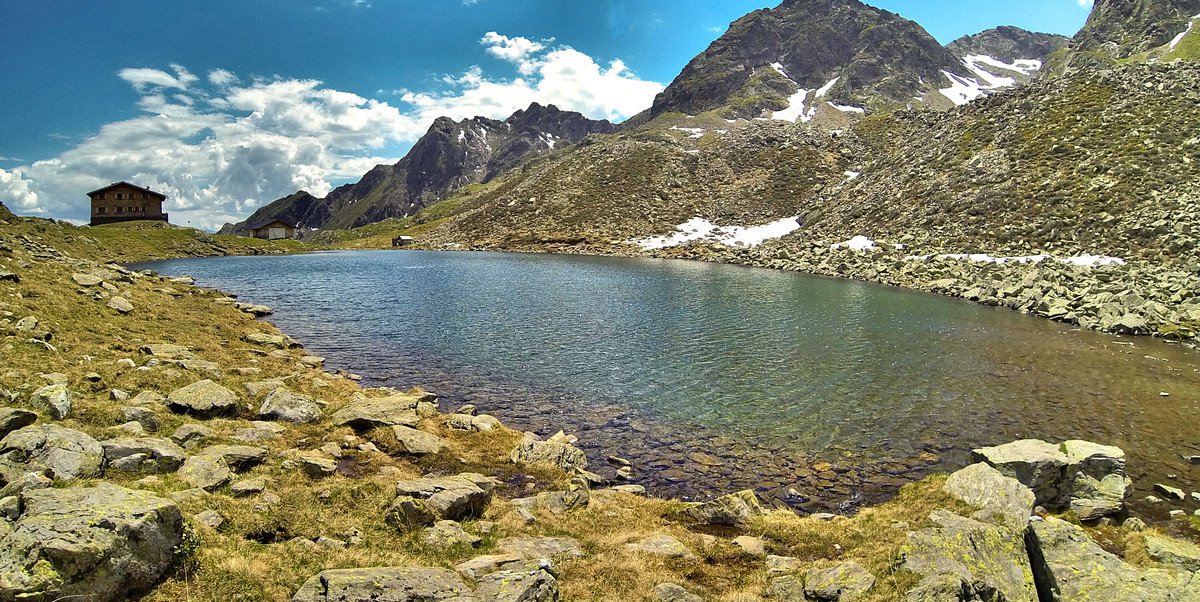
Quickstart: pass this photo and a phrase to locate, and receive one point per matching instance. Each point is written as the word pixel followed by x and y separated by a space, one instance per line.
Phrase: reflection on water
pixel 820 393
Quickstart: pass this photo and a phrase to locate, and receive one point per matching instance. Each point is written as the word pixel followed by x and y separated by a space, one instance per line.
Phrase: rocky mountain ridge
pixel 451 155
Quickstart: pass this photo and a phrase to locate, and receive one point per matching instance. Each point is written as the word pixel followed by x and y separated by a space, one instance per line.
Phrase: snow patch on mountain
pixel 1179 38
pixel 796 109
pixel 699 228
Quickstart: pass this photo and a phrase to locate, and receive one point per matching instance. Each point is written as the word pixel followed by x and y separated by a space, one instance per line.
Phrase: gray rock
pixel 144 398
pixel 448 534
pixel 192 435
pixel 417 443
pixel 1168 490
pixel 54 398
pixel 1173 552
pixel 366 413
pixel 731 510
pixel 844 582
pixel 203 399
pixel 482 565
pixel 143 416
pixel 1002 500
pixel 289 406
pixel 754 546
pixel 239 458
pixel 120 305
pixel 210 518
pixel 1075 568
pixel 630 489
pixel 672 592
pixel 279 341
pixel 779 565
pixel 167 351
pixel 101 542
pixel 482 423
pixel 318 466
pixel 206 472
pixel 1098 484
pixel 12 419
pixel 660 545
pixel 988 560
pixel 453 498
pixel 64 453
pixel 143 454
pixel 24 481
pixel 786 588
pixel 388 584
pixel 312 361
pixel 86 279
pixel 1038 465
pixel 537 548
pixel 257 388
pixel 248 487
pixel 562 455
pixel 529 583
pixel 407 512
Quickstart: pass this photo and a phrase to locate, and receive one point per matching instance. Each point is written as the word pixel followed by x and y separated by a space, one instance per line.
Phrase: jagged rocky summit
pixel 451 155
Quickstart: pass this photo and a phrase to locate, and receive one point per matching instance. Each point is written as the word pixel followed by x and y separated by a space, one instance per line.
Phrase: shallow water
pixel 820 393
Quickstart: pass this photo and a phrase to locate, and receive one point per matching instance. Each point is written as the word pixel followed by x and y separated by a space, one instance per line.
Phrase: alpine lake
pixel 821 394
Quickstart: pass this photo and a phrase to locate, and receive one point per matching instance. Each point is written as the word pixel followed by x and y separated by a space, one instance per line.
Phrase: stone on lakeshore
pixel 312 361
pixel 385 584
pixel 287 406
pixel 1038 465
pixel 528 583
pixel 660 545
pixel 537 548
pixel 843 582
pixel 64 453
pixel 12 419
pixel 191 435
pixel 279 341
pixel 86 279
pixel 255 310
pixel 787 588
pixel 239 458
pixel 210 518
pixel 482 565
pixel 1168 490
pixel 1002 500
pixel 366 413
pixel 318 466
pixel 730 510
pixel 120 305
pixel 989 561
pixel 143 454
pixel 1173 552
pixel 1098 483
pixel 1126 324
pixel 457 497
pixel 562 455
pixel 1080 569
pixel 407 512
pixel 203 399
pixel 257 388
pixel 753 546
pixel 471 423
pixel 101 543
pixel 205 472
pixel 54 398
pixel 447 534
pixel 673 592
pixel 417 443
pixel 630 489
pixel 166 351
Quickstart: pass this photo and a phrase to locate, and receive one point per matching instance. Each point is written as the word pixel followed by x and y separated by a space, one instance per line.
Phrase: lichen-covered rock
pixel 660 545
pixel 64 453
pixel 988 560
pixel 673 592
pixel 366 413
pixel 192 435
pixel 528 583
pixel 1073 567
pixel 205 472
pixel 1173 552
pixel 1002 500
pixel 407 512
pixel 279 341
pixel 99 543
pixel 417 443
pixel 730 510
pixel 240 458
pixel 12 419
pixel 288 406
pixel 203 399
pixel 537 548
pixel 143 454
pixel 843 582
pixel 1038 465
pixel 54 398
pixel 386 584
pixel 447 534
pixel 550 453
pixel 1098 483
pixel 453 498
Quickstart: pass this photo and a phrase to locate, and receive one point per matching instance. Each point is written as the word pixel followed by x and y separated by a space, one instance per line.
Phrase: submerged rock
pixel 100 543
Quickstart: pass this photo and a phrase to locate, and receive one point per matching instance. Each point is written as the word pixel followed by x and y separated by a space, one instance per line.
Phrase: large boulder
pixel 549 453
pixel 63 453
pixel 530 582
pixel 451 498
pixel 731 510
pixel 386 584
pixel 843 582
pixel 980 559
pixel 240 458
pixel 54 398
pixel 1173 552
pixel 203 399
pixel 366 413
pixel 143 454
pixel 417 443
pixel 12 419
pixel 288 406
pixel 1038 465
pixel 100 543
pixel 1070 566
pixel 1002 500
pixel 205 472
pixel 1082 476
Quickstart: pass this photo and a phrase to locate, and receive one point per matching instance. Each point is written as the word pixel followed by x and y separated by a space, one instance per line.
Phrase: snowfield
pixel 699 228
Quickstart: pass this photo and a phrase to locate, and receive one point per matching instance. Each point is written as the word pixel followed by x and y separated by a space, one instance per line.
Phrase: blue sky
pixel 226 105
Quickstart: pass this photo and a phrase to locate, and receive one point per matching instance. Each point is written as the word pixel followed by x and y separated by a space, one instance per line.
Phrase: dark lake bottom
pixel 820 394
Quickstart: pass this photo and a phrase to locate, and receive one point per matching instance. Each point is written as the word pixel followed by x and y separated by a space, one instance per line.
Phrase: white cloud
pixel 221 148
pixel 1085 3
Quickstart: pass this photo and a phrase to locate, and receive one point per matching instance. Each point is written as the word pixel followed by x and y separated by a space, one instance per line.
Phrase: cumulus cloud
pixel 222 147
pixel 1085 3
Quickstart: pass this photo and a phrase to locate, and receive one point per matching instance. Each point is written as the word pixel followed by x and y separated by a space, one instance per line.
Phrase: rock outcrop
pixel 63 454
pixel 531 583
pixel 1085 477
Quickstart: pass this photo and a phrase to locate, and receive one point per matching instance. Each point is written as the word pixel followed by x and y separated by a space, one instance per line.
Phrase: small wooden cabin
pixel 124 202
pixel 275 229
pixel 402 241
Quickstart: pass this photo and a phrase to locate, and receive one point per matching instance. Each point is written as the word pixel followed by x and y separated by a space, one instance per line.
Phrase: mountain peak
pixel 1118 29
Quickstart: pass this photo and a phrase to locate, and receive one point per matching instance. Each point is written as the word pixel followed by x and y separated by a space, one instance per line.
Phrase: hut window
pixel 120 209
